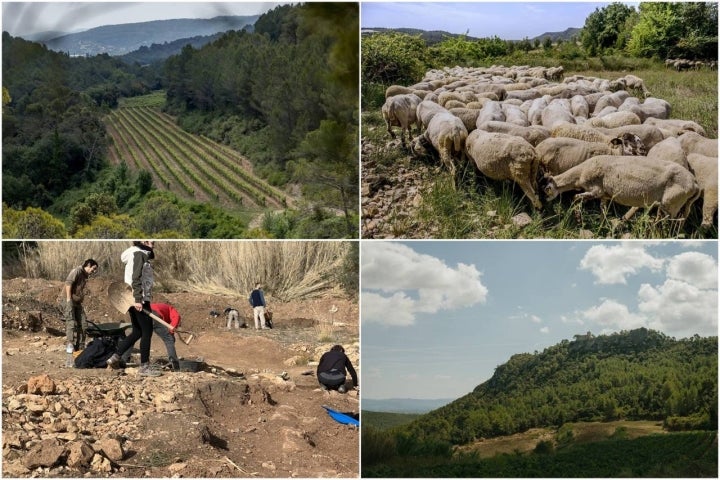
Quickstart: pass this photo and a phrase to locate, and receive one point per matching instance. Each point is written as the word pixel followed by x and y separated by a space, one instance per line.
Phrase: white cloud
pixel 535 319
pixel 612 264
pixel 545 330
pixel 613 314
pixel 694 268
pixel 398 283
pixel 679 308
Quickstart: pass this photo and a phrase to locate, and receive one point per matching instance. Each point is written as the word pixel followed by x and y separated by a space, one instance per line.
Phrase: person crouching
pixel 333 368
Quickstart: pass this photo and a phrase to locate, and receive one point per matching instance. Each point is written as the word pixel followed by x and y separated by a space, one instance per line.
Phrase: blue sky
pixel 23 18
pixel 438 317
pixel 507 20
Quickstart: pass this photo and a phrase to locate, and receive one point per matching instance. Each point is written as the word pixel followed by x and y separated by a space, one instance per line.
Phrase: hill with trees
pixel 637 375
pixel 631 375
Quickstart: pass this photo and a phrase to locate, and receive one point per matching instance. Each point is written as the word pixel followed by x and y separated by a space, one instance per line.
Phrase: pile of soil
pixel 254 410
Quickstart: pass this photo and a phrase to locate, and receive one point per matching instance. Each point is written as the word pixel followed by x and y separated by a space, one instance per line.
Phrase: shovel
pixel 121 297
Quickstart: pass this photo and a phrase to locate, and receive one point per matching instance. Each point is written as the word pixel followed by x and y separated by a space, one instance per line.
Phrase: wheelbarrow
pixel 121 297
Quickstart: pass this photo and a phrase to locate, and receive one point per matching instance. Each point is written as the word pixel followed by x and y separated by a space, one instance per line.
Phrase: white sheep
pixel 629 82
pixel 514 114
pixel 669 150
pixel 447 134
pixel 650 108
pixel 533 134
pixel 491 112
pixel 505 157
pixel 468 116
pixel 556 113
pixel 675 126
pixel 426 110
pixel 705 170
pixel 614 100
pixel 579 106
pixel 558 155
pixel 649 134
pixel 401 111
pixel 614 120
pixel 631 181
pixel 695 143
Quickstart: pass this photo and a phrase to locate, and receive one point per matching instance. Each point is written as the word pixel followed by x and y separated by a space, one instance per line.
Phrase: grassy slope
pixel 383 420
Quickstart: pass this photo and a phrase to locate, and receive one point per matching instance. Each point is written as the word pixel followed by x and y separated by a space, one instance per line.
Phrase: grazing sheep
pixel 614 120
pixel 629 82
pixel 695 143
pixel 426 110
pixel 650 108
pixel 535 111
pixel 614 100
pixel 528 94
pixel 649 135
pixel 533 134
pixel 676 126
pixel 514 115
pixel 492 111
pixel 447 134
pixel 401 111
pixel 669 150
pixel 454 104
pixel 579 106
pixel 581 132
pixel 505 157
pixel 558 155
pixel 705 170
pixel 631 181
pixel 468 116
pixel 393 90
pixel 557 112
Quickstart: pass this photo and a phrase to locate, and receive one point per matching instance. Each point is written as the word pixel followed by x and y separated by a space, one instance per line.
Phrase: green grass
pixel 384 420
pixel 483 208
pixel 154 99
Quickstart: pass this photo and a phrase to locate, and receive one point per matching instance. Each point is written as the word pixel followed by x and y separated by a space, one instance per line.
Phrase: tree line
pixel 654 31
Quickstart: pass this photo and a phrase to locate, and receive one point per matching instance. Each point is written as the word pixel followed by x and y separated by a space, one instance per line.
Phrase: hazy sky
pixel 26 18
pixel 507 20
pixel 438 317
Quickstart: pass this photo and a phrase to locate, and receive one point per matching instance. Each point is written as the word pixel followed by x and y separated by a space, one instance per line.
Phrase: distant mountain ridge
pixel 404 405
pixel 565 35
pixel 436 36
pixel 124 38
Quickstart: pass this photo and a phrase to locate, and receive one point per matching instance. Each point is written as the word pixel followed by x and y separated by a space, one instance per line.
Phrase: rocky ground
pixel 255 410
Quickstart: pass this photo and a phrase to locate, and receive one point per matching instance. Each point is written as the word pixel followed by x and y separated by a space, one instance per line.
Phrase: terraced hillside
pixel 191 166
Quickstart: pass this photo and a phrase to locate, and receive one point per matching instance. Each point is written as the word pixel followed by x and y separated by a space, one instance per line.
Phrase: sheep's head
pixel 419 147
pixel 629 144
pixel 619 84
pixel 550 189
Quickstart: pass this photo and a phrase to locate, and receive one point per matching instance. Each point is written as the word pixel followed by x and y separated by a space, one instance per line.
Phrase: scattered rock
pixel 47 453
pixel 111 448
pixel 522 220
pixel 80 454
pixel 41 385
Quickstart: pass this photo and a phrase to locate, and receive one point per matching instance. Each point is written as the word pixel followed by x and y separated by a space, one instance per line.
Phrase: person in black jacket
pixel 333 368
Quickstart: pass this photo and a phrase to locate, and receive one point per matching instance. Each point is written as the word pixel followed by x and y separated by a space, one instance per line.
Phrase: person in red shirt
pixel 171 316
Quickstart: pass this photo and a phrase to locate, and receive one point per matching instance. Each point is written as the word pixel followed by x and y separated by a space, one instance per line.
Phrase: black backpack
pixel 96 353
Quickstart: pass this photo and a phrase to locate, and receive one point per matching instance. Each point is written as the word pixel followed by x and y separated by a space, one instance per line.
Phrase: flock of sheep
pixel 527 125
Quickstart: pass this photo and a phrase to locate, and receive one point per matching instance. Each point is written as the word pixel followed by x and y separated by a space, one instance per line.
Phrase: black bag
pixel 96 353
pixel 268 319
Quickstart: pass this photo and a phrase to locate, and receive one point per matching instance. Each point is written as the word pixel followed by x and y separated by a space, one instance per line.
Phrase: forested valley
pixel 283 97
pixel 637 375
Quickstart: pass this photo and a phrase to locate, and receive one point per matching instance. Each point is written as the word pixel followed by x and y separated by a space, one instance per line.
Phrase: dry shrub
pixel 288 270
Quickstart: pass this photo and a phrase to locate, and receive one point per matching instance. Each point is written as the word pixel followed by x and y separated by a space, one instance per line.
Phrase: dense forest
pixel 284 96
pixel 631 375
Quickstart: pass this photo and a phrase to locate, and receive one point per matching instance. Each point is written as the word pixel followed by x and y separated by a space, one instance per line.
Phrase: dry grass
pixel 288 270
